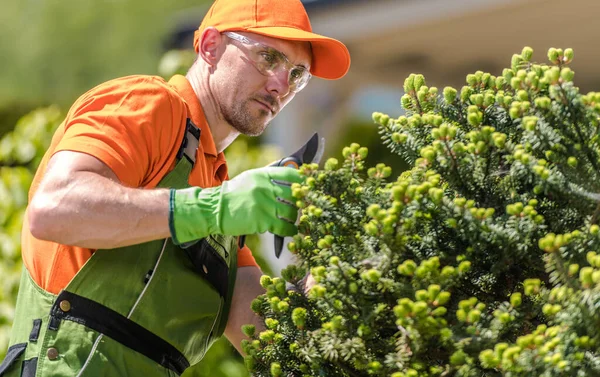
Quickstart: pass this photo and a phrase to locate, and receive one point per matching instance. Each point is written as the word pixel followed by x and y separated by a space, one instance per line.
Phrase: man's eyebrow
pixel 303 65
pixel 273 49
pixel 307 65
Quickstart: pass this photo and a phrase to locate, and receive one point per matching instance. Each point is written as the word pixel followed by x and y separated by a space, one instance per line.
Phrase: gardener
pixel 133 260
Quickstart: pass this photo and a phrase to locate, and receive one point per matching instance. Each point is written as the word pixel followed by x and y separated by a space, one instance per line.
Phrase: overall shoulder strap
pixel 190 142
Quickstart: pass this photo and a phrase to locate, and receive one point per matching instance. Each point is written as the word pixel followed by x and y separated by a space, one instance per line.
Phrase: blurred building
pixel 442 39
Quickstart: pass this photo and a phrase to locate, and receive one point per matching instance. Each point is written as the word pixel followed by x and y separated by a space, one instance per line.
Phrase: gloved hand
pixel 255 201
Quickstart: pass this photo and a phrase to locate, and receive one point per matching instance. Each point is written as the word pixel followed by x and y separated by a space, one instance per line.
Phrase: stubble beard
pixel 241 118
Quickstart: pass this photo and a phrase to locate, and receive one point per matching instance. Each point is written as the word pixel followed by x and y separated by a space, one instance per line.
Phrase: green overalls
pixel 151 309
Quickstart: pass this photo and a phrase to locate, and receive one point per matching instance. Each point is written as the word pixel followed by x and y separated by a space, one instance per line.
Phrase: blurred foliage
pixel 54 50
pixel 20 153
pixel 221 360
pixel 176 62
pixel 11 112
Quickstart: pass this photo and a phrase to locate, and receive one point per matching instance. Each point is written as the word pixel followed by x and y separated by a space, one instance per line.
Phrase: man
pixel 133 260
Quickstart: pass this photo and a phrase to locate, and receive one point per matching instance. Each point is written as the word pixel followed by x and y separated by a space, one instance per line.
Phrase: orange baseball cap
pixel 283 19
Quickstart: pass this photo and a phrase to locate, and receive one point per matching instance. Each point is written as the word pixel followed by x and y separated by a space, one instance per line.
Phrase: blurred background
pixel 52 51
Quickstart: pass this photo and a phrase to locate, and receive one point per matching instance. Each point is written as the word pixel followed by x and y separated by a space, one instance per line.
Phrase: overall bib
pixel 151 309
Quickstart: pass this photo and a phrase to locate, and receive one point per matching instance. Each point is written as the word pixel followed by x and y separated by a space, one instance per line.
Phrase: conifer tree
pixel 481 260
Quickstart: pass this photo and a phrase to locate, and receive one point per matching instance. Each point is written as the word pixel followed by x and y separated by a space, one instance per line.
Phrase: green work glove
pixel 255 201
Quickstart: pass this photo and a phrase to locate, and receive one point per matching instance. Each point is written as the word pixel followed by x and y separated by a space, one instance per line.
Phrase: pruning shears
pixel 310 152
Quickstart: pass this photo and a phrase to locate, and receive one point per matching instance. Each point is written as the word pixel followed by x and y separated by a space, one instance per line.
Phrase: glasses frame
pixel 284 63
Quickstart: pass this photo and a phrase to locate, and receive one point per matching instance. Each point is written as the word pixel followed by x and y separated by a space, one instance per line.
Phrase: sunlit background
pixel 52 51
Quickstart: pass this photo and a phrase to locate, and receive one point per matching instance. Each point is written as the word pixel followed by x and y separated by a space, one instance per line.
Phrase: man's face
pixel 248 97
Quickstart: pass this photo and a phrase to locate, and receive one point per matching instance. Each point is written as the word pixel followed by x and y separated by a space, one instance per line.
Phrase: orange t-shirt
pixel 135 125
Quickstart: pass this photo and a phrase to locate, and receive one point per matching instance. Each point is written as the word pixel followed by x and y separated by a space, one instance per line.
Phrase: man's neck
pixel 222 132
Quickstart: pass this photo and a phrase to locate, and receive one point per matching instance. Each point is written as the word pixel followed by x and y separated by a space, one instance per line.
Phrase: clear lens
pixel 268 61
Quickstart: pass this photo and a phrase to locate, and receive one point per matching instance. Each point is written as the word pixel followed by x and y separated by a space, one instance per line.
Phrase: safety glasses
pixel 268 61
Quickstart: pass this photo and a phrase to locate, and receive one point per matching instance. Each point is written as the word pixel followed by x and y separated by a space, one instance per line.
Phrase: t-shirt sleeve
pixel 132 125
pixel 245 257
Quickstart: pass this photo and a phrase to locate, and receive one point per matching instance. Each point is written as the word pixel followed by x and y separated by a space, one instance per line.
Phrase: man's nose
pixel 278 83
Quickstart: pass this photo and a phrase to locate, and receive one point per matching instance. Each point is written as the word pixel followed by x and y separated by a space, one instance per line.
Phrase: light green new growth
pixel 482 260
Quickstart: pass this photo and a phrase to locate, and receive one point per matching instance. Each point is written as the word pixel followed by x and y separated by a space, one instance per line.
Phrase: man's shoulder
pixel 136 82
pixel 155 88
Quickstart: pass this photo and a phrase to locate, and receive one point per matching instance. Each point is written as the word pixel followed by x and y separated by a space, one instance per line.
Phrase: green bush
pixel 482 260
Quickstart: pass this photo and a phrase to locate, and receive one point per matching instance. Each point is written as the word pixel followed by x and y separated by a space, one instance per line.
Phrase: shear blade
pixel 310 152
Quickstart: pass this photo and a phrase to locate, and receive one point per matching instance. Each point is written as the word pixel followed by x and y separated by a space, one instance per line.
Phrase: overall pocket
pixel 209 262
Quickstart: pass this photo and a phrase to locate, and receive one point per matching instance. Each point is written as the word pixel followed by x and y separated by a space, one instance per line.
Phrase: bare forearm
pixel 89 210
pixel 247 288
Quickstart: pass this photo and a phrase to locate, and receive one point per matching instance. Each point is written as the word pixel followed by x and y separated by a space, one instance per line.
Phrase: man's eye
pixel 296 73
pixel 269 57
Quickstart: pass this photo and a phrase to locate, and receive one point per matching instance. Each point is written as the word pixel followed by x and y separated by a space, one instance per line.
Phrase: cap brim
pixel 331 59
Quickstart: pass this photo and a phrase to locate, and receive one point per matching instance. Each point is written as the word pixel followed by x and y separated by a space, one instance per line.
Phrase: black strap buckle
pixel 190 142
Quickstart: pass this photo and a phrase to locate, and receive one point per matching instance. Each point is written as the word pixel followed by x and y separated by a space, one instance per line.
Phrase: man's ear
pixel 210 47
